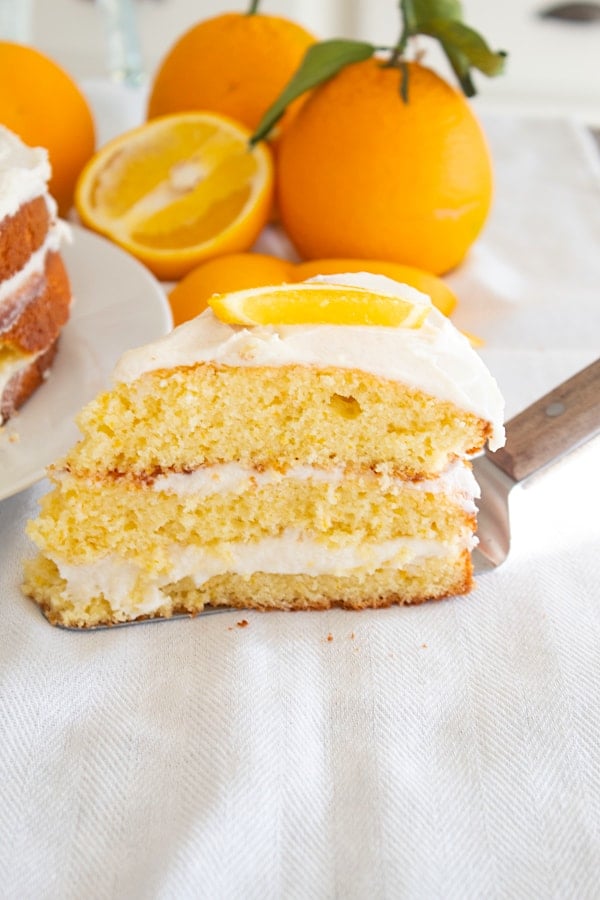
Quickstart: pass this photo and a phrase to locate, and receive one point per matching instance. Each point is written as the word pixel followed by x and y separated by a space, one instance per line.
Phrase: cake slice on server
pixel 293 447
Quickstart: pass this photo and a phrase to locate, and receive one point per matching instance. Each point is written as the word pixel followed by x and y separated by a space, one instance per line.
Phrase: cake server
pixel 545 432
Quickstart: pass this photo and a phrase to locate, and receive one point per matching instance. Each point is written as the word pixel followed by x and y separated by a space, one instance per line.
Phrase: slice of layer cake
pixel 35 294
pixel 273 466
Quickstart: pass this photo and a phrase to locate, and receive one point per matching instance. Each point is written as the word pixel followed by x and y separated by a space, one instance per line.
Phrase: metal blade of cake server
pixel 493 519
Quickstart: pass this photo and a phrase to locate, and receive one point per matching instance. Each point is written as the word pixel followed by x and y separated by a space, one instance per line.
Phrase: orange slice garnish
pixel 319 304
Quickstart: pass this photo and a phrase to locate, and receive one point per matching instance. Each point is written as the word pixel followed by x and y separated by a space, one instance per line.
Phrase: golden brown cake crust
pixel 45 300
pixel 21 235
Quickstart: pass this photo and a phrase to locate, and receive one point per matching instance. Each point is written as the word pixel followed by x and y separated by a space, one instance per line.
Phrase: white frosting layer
pixel 289 554
pixel 435 358
pixel 457 481
pixel 24 172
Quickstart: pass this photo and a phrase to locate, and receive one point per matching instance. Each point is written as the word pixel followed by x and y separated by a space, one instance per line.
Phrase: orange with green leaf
pixel 386 159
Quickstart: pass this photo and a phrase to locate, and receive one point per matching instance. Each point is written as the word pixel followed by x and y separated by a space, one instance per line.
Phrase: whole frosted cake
pixel 35 294
pixel 274 467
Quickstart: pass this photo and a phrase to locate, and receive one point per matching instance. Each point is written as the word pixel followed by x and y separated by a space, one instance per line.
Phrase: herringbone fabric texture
pixel 447 751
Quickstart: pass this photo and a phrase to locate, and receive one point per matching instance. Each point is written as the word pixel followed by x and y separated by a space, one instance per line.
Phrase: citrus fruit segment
pixel 232 272
pixel 318 304
pixel 434 287
pixel 177 190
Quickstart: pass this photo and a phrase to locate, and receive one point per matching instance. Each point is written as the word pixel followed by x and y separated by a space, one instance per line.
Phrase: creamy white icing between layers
pixel 435 358
pixel 457 482
pixel 135 592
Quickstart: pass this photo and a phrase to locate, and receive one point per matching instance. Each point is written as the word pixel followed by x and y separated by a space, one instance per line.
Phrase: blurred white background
pixel 553 68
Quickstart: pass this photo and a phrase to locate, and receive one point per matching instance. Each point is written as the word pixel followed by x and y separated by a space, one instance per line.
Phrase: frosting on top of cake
pixel 24 172
pixel 434 358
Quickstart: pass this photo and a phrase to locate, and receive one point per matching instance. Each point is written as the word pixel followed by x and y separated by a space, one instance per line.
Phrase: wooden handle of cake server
pixel 550 428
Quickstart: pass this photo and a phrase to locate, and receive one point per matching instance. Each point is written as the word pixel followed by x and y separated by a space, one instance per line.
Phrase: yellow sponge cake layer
pixel 129 518
pixel 269 417
pixel 434 579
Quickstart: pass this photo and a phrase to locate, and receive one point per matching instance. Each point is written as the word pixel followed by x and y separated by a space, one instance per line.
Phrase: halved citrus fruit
pixel 319 304
pixel 177 190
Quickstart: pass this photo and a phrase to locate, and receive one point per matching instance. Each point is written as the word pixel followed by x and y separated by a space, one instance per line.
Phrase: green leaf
pixel 417 12
pixel 458 39
pixel 460 65
pixel 409 17
pixel 464 47
pixel 320 63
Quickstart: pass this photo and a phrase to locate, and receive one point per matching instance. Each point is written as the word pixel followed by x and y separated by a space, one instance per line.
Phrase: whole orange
pixel 41 103
pixel 363 174
pixel 233 64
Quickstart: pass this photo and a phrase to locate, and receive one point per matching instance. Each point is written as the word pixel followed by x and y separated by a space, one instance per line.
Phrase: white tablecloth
pixel 446 751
